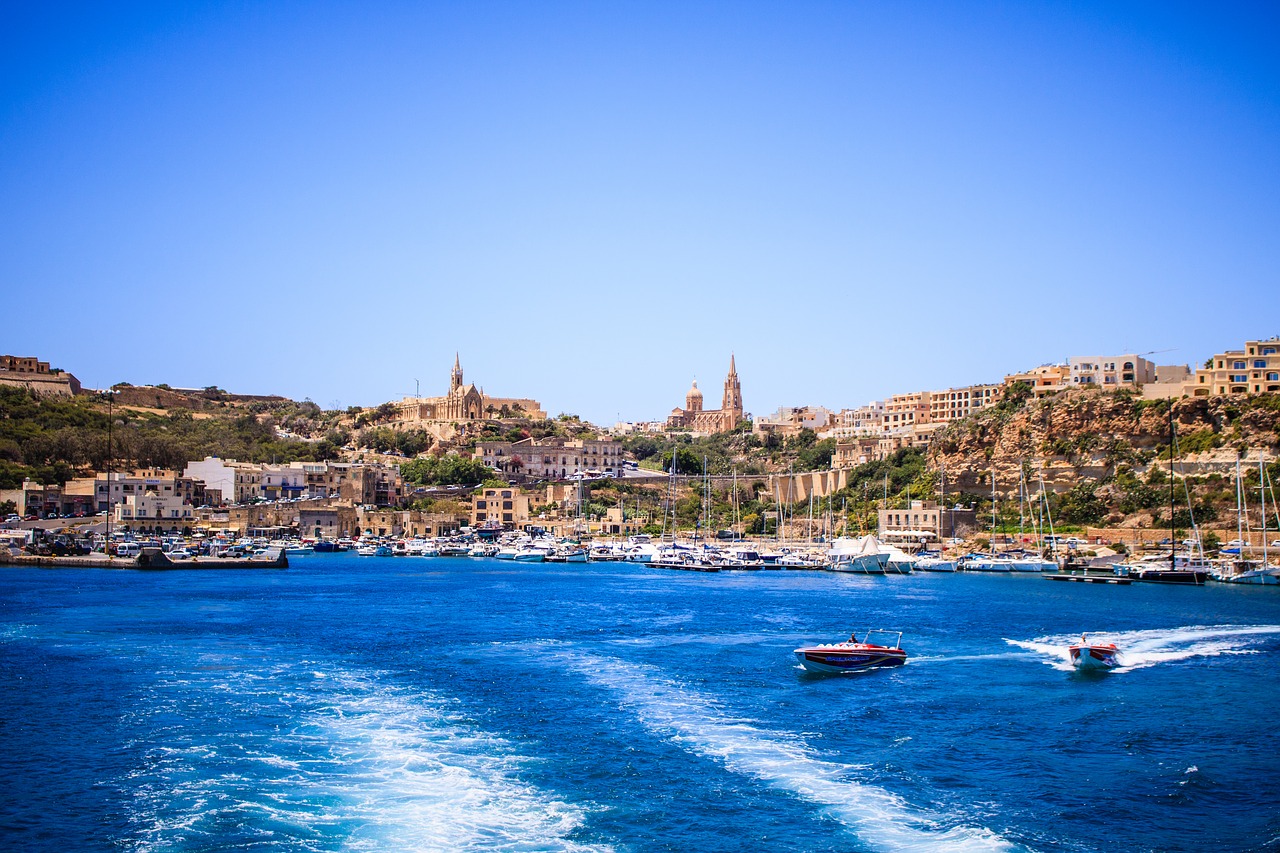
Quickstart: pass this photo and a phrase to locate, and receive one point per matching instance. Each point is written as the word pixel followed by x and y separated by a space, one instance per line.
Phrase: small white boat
pixel 1093 656
pixel 934 564
pixel 529 555
pixel 367 550
pixel 854 656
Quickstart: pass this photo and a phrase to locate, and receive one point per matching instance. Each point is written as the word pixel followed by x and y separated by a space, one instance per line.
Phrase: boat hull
pixel 848 658
pixel 1094 658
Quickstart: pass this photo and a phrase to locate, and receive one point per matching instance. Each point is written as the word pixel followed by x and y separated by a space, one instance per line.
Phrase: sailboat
pixel 1186 570
pixel 1248 571
pixel 939 563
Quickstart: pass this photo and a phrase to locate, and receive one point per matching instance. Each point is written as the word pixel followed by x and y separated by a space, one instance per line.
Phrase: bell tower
pixel 732 393
pixel 455 378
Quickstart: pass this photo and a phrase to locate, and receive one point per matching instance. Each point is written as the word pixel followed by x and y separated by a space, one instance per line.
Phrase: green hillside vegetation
pixel 737 450
pixel 51 440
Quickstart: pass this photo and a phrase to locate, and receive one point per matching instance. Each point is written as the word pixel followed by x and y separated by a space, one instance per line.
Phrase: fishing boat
pixel 1093 656
pixel 854 656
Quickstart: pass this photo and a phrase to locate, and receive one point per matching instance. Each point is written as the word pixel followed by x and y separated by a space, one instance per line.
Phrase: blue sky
pixel 596 202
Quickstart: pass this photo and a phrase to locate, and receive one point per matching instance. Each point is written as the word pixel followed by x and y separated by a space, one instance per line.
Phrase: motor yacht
pixel 853 655
pixel 1093 656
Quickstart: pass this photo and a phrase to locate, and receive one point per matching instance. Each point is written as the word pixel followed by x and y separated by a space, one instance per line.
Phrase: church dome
pixel 693 400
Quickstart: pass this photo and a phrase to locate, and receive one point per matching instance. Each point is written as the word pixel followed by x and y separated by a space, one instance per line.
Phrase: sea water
pixel 400 704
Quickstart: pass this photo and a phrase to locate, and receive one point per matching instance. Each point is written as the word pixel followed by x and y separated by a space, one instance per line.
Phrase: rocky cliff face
pixel 1088 434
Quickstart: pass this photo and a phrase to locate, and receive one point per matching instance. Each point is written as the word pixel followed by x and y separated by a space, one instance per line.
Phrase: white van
pixel 128 549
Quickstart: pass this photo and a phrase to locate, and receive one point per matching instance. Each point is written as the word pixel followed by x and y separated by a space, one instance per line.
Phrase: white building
pixel 238 481
pixel 154 510
pixel 1110 371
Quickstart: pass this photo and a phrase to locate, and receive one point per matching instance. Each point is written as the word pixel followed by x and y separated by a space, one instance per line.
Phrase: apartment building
pixel 955 403
pixel 508 506
pixel 790 420
pixel 551 458
pixel 1255 369
pixel 1110 371
pixel 236 481
pixel 1045 380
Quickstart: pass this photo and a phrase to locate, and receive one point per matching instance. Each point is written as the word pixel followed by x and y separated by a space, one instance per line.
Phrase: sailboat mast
pixel 1262 492
pixel 1239 509
pixel 1173 549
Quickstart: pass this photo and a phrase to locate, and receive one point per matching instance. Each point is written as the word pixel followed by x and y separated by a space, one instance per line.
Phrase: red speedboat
pixel 852 655
pixel 1086 655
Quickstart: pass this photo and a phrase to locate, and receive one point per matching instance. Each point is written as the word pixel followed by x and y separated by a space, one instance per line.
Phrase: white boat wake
pixel 696 723
pixel 1140 649
pixel 315 756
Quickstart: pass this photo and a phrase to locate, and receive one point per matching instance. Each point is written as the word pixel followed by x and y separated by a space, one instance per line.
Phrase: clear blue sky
pixel 595 202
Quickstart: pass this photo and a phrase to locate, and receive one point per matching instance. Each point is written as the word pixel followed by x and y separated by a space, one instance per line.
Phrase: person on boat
pixel 853 638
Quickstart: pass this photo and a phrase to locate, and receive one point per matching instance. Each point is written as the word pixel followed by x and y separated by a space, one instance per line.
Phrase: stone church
pixel 465 403
pixel 723 419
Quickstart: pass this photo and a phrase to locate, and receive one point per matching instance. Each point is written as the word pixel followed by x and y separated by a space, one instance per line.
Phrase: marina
pixel 389 704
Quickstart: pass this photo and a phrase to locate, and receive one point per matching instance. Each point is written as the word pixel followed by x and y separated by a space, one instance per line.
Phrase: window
pixel 1273 377
pixel 480 504
pixel 1238 377
pixel 1268 350
pixel 1238 365
pixel 1259 362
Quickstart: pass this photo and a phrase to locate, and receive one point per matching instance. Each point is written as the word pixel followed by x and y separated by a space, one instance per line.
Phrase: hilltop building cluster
pixel 874 431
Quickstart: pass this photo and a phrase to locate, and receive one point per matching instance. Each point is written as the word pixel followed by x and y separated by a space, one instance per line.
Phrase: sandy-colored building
pixel 694 417
pixel 1110 372
pixel 506 505
pixel 36 376
pixel 551 458
pixel 1045 380
pixel 464 402
pixel 1255 369
pixel 790 420
pixel 150 509
pixel 955 403
pixel 924 520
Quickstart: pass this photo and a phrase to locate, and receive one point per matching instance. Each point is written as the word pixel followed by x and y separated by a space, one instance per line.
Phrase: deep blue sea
pixel 403 704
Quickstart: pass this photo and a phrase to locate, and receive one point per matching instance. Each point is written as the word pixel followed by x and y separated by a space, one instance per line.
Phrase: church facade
pixel 694 417
pixel 465 402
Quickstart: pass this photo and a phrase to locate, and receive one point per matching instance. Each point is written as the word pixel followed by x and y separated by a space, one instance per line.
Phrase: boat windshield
pixel 880 637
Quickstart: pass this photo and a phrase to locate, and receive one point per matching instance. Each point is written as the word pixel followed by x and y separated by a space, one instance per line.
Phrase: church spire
pixel 732 401
pixel 455 378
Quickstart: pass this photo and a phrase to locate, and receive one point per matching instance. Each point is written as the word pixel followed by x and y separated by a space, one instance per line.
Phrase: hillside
pixel 1105 455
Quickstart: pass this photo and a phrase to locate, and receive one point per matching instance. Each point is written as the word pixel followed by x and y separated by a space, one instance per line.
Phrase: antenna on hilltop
pixel 417 388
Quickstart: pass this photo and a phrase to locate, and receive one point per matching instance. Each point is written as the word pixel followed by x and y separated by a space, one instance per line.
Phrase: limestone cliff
pixel 1088 434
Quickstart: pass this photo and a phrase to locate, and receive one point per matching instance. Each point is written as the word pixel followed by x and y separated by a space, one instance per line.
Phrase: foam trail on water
pixel 307 758
pixel 1139 649
pixel 694 721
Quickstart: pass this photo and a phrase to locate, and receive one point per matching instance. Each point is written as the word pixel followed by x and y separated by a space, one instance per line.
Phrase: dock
pixel 1087 578
pixel 151 559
